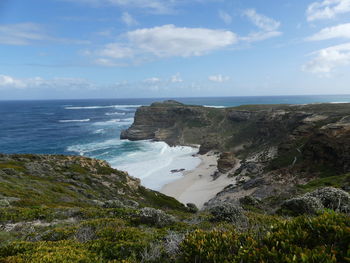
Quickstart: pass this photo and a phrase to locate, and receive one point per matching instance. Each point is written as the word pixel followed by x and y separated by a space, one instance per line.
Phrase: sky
pixel 68 49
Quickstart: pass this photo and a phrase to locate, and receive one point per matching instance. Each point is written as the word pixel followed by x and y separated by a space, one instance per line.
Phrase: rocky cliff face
pixel 246 130
pixel 278 146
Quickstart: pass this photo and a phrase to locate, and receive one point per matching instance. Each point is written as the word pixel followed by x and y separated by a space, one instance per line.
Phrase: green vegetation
pixel 74 209
pixel 337 181
pixel 324 238
pixel 320 239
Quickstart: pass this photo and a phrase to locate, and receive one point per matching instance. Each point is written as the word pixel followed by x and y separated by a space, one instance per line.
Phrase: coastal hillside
pixel 271 152
pixel 56 208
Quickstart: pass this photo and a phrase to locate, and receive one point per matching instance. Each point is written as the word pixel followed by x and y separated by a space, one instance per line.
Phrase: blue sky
pixel 173 48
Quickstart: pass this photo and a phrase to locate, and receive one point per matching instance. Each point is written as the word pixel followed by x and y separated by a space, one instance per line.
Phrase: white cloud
pixel 176 78
pixel 164 41
pixel 21 34
pixel 328 59
pixel 225 17
pixel 28 33
pixel 116 51
pixel 339 31
pixel 152 80
pixel 261 21
pixel 106 62
pixel 260 36
pixel 9 82
pixel 268 26
pixel 327 9
pixel 218 78
pixel 155 6
pixel 128 19
pixel 169 40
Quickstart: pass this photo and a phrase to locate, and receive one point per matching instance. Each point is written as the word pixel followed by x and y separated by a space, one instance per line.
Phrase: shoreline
pixel 158 164
pixel 198 186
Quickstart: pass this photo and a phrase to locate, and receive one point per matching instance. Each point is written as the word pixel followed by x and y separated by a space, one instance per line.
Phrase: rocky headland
pixel 266 152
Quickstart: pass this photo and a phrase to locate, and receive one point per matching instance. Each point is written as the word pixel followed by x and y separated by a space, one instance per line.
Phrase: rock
pixel 10 171
pixel 207 146
pixel 249 168
pixel 113 204
pixel 167 103
pixel 226 162
pixel 239 116
pixel 333 198
pixel 131 203
pixel 330 147
pixel 177 170
pixel 302 205
pixel 6 201
pixel 249 201
pixel 192 208
pixel 227 212
pixel 253 183
pixel 156 217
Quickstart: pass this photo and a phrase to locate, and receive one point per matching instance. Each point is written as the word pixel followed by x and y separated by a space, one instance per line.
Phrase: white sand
pixel 197 186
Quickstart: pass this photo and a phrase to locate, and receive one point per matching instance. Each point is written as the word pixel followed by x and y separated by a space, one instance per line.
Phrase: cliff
pixel 279 147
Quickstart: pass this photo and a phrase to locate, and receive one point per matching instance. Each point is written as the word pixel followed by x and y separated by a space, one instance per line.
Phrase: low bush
pixel 325 238
pixel 47 252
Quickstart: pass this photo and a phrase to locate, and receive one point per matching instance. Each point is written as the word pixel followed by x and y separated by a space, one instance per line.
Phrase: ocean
pixel 92 128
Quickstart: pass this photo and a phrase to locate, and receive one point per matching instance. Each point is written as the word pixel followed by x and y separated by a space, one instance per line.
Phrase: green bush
pixel 47 252
pixel 210 246
pixel 325 238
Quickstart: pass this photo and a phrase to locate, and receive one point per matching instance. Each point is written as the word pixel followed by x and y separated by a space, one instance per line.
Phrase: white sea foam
pixel 89 148
pixel 339 102
pixel 114 113
pixel 153 164
pixel 119 122
pixel 99 131
pixel 211 106
pixel 84 120
pixel 127 120
pixel 102 107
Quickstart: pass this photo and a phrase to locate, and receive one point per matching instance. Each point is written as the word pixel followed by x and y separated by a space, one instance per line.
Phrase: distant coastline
pixel 61 127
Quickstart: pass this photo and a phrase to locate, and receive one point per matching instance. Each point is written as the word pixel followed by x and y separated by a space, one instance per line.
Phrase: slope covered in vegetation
pixel 75 209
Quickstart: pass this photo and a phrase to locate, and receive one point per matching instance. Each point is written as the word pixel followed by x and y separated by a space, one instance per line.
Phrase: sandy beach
pixel 198 186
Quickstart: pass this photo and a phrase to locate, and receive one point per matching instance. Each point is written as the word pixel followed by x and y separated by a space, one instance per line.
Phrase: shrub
pixel 311 203
pixel 325 238
pixel 301 205
pixel 156 217
pixel 210 246
pixel 47 252
pixel 333 198
pixel 192 208
pixel 227 212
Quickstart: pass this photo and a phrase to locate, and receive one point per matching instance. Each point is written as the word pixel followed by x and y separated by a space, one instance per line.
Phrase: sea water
pixel 92 128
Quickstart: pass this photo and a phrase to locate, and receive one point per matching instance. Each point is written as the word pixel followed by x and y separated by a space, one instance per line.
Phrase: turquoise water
pixel 92 128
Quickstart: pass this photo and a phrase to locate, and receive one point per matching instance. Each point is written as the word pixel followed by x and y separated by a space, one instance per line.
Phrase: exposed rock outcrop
pixel 227 162
pixel 318 132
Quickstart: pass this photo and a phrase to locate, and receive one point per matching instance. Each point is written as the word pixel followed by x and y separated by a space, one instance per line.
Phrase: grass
pixel 337 181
